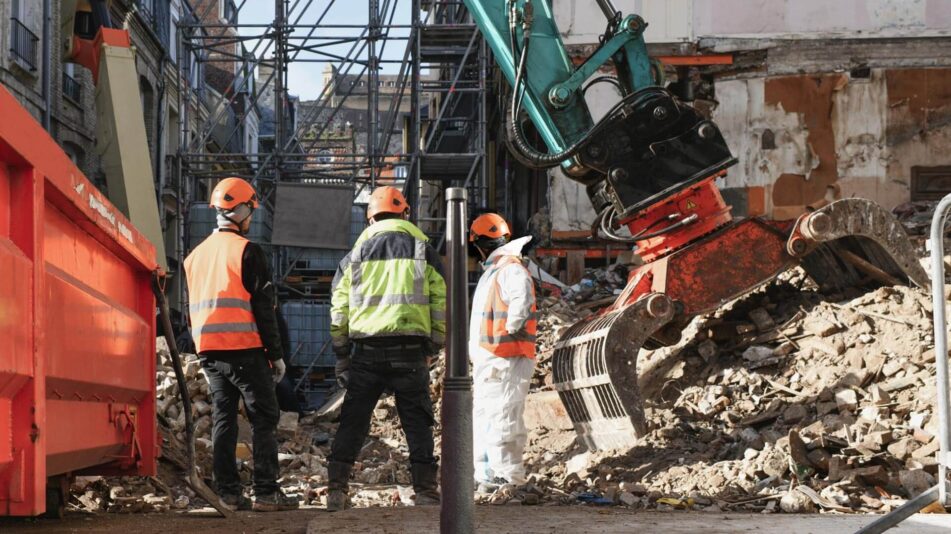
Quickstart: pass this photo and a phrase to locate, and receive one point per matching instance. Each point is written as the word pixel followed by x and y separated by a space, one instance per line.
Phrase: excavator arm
pixel 650 165
pixel 121 141
pixel 646 148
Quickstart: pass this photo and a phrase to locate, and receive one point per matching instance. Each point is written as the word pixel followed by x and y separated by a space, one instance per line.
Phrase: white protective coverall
pixel 500 385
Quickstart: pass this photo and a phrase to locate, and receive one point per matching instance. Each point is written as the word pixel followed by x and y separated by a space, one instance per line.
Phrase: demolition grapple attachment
pixel 595 371
pixel 852 242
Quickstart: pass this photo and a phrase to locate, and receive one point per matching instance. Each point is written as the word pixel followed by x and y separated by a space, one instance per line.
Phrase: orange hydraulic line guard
pixel 77 320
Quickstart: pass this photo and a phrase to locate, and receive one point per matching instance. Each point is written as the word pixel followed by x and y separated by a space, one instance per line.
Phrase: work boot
pixel 338 484
pixel 236 502
pixel 425 484
pixel 274 502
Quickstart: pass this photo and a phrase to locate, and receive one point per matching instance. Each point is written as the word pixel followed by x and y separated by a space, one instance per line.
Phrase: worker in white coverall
pixel 502 347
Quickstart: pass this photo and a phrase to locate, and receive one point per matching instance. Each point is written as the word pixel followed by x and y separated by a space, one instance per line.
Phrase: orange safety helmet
pixel 489 226
pixel 386 199
pixel 232 192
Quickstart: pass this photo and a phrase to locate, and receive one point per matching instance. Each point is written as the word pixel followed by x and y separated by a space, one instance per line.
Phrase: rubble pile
pixel 786 400
pixel 598 285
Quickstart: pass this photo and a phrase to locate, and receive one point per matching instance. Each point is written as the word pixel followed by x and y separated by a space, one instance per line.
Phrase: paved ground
pixel 494 519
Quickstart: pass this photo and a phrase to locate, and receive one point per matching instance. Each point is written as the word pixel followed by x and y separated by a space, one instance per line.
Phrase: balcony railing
pixel 72 89
pixel 23 44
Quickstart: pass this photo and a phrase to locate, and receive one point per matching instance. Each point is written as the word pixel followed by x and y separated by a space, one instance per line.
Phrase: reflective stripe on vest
pixel 220 306
pixel 417 297
pixel 494 336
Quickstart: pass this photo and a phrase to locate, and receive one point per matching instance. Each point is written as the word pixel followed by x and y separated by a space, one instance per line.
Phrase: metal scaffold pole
pixel 279 100
pixel 456 515
pixel 373 90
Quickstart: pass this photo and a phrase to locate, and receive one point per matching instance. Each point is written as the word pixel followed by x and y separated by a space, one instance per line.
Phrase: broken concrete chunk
pixel 820 327
pixel 191 369
pixel 578 463
pixel 928 450
pixel 797 450
pixel 892 366
pixel 762 319
pixel 795 502
pixel 757 353
pixel 876 441
pixel 878 395
pixel 915 481
pixel 795 413
pixel 288 422
pixel 846 400
pixel 628 498
pixel 902 448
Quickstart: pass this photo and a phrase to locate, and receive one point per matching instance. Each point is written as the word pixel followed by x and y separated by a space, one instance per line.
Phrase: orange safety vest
pixel 494 337
pixel 220 306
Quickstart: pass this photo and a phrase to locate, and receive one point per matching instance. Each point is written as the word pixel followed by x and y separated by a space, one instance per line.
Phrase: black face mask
pixel 484 246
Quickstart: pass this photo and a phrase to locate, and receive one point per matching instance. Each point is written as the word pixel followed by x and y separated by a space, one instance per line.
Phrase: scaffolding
pixel 404 102
pixel 242 82
pixel 450 110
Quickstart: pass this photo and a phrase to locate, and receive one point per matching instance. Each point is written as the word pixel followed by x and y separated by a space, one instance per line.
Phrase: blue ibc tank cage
pixel 308 333
pixel 325 259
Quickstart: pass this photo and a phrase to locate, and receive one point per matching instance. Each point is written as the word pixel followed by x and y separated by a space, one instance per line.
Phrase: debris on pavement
pixel 786 400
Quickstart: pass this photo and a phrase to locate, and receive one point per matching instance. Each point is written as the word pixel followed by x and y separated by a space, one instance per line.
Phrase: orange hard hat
pixel 232 192
pixel 489 226
pixel 386 199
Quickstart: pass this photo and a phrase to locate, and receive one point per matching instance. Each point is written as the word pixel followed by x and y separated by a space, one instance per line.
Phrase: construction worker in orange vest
pixel 234 326
pixel 502 347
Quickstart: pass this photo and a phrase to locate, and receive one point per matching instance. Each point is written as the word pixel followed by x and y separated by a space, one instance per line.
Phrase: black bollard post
pixel 456 513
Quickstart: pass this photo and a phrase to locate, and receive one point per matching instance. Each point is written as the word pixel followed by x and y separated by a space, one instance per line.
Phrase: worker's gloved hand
pixel 342 371
pixel 278 369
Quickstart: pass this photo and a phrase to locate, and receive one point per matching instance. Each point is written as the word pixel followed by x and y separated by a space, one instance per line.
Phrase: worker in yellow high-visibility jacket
pixel 387 318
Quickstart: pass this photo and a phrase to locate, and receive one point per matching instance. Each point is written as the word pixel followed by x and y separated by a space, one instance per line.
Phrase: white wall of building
pixel 672 21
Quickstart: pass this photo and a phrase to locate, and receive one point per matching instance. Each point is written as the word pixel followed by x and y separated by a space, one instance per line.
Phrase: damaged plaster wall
pixel 807 140
pixel 866 18
pixel 919 120
pixel 805 133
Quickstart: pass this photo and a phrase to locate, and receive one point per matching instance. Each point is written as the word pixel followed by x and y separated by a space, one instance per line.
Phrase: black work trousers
pixel 372 372
pixel 244 375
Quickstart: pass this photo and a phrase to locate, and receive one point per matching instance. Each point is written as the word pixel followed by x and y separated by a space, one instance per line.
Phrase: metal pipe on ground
pixel 938 224
pixel 939 493
pixel 456 514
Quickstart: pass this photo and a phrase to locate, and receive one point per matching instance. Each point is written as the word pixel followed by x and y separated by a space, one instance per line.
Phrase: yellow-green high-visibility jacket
pixel 390 284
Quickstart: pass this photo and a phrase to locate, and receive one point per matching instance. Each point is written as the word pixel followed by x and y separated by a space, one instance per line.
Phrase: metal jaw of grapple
pixel 594 365
pixel 594 369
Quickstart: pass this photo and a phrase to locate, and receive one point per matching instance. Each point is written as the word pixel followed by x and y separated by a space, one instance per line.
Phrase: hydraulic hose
pixel 603 223
pixel 607 215
pixel 518 146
